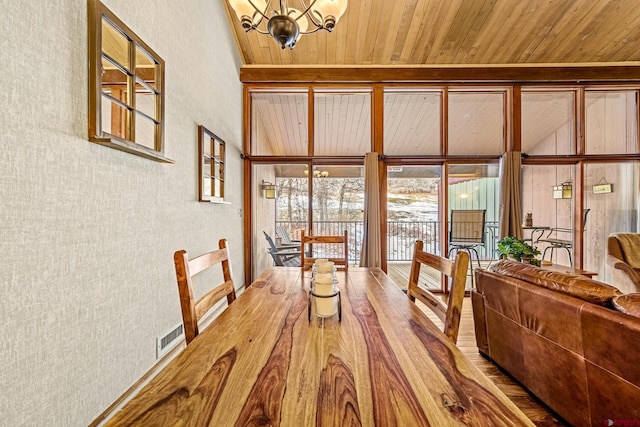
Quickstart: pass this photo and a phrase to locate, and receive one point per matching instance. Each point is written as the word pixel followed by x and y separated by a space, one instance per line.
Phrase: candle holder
pixel 324 291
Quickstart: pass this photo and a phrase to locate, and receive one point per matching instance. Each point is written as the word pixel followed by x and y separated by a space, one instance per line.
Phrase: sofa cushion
pixel 567 283
pixel 630 245
pixel 628 304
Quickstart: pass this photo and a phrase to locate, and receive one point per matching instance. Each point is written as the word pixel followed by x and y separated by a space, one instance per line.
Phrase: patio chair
pixel 285 239
pixel 555 243
pixel 467 233
pixel 455 270
pixel 193 312
pixel 283 256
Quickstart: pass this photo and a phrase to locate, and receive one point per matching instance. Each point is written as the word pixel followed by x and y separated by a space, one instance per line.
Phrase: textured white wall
pixel 87 233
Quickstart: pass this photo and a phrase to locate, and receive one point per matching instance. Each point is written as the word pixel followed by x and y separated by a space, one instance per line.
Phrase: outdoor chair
pixel 467 233
pixel 341 262
pixel 456 271
pixel 285 239
pixel 193 312
pixel 555 243
pixel 283 256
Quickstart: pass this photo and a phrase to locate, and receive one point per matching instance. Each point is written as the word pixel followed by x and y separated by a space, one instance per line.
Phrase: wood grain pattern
pixel 261 362
pixel 411 32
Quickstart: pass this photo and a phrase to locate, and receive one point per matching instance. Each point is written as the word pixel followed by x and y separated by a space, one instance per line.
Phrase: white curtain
pixel 510 195
pixel 370 255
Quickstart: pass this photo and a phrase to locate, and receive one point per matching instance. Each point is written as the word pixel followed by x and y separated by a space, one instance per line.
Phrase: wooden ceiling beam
pixel 597 73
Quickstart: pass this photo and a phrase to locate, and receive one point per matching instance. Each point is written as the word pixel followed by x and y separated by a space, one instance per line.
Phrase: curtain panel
pixel 370 256
pixel 510 195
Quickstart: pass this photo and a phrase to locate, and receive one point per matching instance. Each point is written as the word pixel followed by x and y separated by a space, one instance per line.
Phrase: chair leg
pixel 569 253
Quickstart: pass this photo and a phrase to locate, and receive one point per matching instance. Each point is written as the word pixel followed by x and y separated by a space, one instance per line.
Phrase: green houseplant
pixel 519 250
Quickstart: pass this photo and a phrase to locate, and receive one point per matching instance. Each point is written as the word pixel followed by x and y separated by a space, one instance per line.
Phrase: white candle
pixel 325 307
pixel 325 267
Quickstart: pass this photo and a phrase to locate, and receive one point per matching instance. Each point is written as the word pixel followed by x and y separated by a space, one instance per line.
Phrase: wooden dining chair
pixel 456 270
pixel 341 262
pixel 186 269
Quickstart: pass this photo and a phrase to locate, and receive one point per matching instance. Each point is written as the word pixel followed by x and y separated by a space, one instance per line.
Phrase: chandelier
pixel 284 23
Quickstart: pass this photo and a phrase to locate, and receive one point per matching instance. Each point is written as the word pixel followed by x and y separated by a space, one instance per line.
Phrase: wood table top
pixel 261 362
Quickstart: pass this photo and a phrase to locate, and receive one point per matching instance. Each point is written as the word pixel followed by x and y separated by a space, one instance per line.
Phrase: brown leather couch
pixel 573 342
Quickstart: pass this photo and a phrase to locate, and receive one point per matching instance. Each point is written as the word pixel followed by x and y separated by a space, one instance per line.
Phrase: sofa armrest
pixel 480 322
pixel 623 276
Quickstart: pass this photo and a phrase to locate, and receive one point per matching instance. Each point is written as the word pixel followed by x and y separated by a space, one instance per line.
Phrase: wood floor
pixel 530 405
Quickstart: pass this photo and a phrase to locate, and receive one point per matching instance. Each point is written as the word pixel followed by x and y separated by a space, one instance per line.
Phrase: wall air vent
pixel 168 340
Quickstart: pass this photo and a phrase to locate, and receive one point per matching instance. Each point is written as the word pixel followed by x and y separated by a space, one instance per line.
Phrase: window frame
pixel 206 136
pixel 97 13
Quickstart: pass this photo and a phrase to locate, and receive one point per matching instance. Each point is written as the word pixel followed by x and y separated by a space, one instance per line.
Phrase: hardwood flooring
pixel 539 414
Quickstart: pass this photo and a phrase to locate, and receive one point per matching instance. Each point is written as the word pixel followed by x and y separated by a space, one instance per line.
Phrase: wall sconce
pixel 562 191
pixel 269 190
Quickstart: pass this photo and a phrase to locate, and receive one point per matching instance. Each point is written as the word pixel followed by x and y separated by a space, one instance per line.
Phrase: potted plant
pixel 511 247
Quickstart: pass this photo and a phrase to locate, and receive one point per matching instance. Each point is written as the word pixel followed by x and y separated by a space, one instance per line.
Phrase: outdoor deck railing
pixel 401 237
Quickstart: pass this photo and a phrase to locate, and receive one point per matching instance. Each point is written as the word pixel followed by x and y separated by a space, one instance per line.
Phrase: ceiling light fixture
pixel 286 24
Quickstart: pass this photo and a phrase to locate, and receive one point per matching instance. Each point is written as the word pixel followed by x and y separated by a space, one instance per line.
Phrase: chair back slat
pixel 186 269
pixel 456 271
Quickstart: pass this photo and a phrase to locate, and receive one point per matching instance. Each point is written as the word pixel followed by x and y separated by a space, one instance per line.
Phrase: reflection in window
pixel 412 123
pixel 476 123
pixel 548 126
pixel 611 122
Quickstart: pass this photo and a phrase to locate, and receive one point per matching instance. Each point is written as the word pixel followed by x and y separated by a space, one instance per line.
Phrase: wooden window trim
pixel 96 12
pixel 206 136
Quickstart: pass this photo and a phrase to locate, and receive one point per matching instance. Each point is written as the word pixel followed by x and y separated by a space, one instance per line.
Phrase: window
pixel 126 97
pixel 211 155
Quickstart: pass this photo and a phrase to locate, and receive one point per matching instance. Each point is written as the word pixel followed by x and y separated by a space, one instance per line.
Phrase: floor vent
pixel 168 340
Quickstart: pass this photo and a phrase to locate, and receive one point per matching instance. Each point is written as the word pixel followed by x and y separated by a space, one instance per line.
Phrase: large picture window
pixel 126 96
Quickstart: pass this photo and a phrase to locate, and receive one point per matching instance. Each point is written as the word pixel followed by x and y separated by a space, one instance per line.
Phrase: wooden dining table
pixel 263 363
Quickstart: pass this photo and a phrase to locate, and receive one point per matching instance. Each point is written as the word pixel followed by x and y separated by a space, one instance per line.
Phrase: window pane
pixel 115 44
pixel 476 123
pixel 475 187
pixel 611 123
pixel 412 123
pixel 612 212
pixel 288 213
pixel 554 213
pixel 145 131
pixel 412 214
pixel 146 102
pixel 279 124
pixel 115 118
pixel 548 123
pixel 342 125
pixel 146 67
pixel 338 205
pixel 115 82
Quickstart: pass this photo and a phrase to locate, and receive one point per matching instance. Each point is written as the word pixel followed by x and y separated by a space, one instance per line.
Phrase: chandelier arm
pixel 310 16
pixel 306 9
pixel 318 28
pixel 258 10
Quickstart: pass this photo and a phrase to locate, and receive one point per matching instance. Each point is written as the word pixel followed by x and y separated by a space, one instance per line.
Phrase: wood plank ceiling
pixel 419 33
pixel 422 32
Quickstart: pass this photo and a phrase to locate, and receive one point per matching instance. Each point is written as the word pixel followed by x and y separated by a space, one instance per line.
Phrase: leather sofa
pixel 571 341
pixel 623 261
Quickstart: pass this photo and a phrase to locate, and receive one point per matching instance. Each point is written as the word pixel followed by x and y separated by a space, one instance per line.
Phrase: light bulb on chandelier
pixel 286 24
